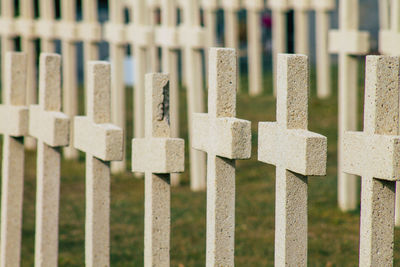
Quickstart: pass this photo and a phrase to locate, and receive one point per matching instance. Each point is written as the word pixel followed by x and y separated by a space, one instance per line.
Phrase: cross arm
pixel 103 141
pixel 14 120
pixel 282 5
pixel 231 4
pixel 226 137
pixel 325 5
pixel 140 35
pixel 45 28
pixel 89 31
pixel 210 4
pixel 256 5
pixel 25 27
pixel 351 42
pixel 115 33
pixel 166 36
pixel 192 36
pixel 49 126
pixel 377 156
pixel 66 30
pixel 7 27
pixel 158 155
pixel 300 151
pixel 301 4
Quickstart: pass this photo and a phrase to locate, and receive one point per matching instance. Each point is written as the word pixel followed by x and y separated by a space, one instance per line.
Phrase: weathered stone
pixel 380 144
pixel 157 155
pixel 297 153
pixel 225 139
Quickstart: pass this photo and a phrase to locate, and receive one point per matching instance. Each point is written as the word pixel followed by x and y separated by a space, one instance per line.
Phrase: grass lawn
pixel 333 235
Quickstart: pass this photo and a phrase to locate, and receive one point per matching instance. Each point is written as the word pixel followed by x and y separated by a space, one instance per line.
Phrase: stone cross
pixel 323 62
pixel 67 32
pixel 7 34
pixel 157 155
pixel 301 25
pixel 225 139
pixel 210 8
pixel 348 42
pixel 380 144
pixel 193 39
pixel 254 44
pixel 102 142
pixel 141 36
pixel 167 37
pixel 51 128
pixel 45 26
pixel 115 34
pixel 14 116
pixel 384 18
pixel 90 32
pixel 26 28
pixel 279 38
pixel 296 153
pixel 153 15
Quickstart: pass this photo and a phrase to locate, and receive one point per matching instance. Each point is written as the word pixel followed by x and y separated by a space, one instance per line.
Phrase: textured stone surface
pixel 379 143
pixel 228 139
pixel 297 153
pixel 13 158
pixel 102 142
pixel 157 155
pixel 347 42
pixel 51 128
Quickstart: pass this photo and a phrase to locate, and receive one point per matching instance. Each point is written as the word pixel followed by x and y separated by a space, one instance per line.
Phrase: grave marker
pixel 348 42
pixel 102 142
pixel 380 144
pixel 115 34
pixel 14 116
pixel 45 26
pixel 297 153
pixel 51 129
pixel 192 38
pixel 301 25
pixel 225 139
pixel 157 155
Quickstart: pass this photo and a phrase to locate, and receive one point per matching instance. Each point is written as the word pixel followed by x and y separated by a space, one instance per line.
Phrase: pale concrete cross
pixel 26 28
pixel 45 26
pixel 141 36
pixel 378 144
pixel 323 63
pixel 225 139
pixel 67 32
pixel 254 44
pixel 51 129
pixel 102 142
pixel 348 42
pixel 193 39
pixel 384 17
pixel 279 9
pixel 301 9
pixel 7 35
pixel 115 34
pixel 153 15
pixel 90 32
pixel 387 45
pixel 14 117
pixel 210 8
pixel 297 153
pixel 157 155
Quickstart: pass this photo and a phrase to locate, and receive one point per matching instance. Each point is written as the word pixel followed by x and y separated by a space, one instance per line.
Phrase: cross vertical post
pixel 51 128
pixel 45 26
pixel 14 126
pixel 297 153
pixel 348 42
pixel 301 22
pixel 157 155
pixel 225 139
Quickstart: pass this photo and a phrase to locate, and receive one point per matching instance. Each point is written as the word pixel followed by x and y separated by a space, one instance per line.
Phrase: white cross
pixel 14 117
pixel 225 139
pixel 255 50
pixel 210 8
pixel 102 142
pixel 157 155
pixel 375 155
pixel 45 26
pixel 193 39
pixel 296 153
pixel 115 34
pixel 388 38
pixel 323 62
pixel 348 42
pixel 301 24
pixel 51 128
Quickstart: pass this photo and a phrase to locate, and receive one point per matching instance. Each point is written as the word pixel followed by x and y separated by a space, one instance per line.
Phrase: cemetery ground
pixel 333 235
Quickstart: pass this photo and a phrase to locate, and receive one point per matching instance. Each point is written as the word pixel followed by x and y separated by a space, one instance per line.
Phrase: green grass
pixel 333 235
